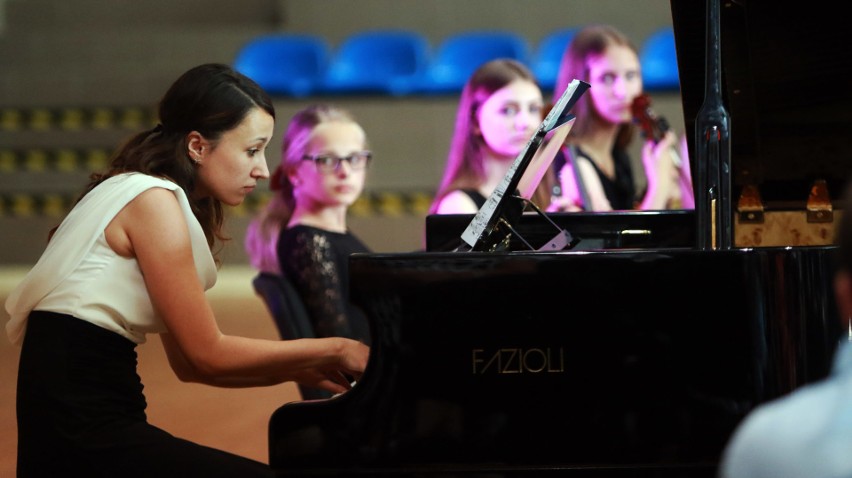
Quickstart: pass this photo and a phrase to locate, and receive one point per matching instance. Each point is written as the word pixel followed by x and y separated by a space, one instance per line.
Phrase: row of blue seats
pixel 400 62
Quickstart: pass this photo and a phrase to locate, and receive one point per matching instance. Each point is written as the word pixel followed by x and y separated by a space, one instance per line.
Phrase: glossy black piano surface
pixel 628 363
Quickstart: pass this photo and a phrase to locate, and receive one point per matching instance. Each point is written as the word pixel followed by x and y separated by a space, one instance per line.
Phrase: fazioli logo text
pixel 518 360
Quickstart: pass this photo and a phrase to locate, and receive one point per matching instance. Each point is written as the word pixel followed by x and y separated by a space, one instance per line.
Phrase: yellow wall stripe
pixel 74 119
pixel 64 160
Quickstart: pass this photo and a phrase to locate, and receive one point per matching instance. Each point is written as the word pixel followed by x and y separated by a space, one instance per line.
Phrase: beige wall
pixel 335 19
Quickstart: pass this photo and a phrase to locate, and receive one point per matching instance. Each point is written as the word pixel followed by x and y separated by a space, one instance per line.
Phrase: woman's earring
pixel 850 328
pixel 195 156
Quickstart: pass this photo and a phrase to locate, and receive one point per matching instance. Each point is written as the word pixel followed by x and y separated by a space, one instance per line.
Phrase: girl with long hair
pixel 302 233
pixel 594 169
pixel 499 110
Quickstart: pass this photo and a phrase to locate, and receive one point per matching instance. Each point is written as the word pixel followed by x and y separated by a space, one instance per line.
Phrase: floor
pixel 229 419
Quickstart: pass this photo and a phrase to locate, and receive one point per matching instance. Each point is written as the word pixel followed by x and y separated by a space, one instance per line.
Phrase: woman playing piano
pixel 134 256
pixel 499 111
pixel 302 233
pixel 593 169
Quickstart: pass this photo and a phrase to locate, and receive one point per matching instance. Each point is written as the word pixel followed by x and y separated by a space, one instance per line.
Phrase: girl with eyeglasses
pixel 302 233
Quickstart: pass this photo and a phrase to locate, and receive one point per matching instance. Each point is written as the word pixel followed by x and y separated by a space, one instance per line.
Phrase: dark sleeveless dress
pixel 620 191
pixel 476 197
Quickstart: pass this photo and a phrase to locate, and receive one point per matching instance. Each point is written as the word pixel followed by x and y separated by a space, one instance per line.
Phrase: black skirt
pixel 81 411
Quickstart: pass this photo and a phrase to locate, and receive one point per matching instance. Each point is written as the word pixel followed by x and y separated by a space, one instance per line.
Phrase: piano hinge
pixel 819 203
pixel 750 206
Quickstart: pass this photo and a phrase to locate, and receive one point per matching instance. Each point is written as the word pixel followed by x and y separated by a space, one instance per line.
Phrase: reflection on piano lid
pixel 591 231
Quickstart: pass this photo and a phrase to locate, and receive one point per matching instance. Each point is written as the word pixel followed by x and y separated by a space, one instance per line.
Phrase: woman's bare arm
pixel 159 240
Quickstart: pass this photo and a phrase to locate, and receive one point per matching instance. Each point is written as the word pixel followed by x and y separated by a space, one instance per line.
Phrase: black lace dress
pixel 316 262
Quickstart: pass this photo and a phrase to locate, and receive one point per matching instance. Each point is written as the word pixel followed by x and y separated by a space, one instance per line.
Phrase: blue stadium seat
pixel 461 54
pixel 659 61
pixel 548 56
pixel 377 61
pixel 290 65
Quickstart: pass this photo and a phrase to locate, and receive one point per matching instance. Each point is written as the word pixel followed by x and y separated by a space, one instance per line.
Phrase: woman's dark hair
pixel 210 99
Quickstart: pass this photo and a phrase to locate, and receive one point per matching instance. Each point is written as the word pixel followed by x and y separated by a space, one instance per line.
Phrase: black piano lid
pixel 787 86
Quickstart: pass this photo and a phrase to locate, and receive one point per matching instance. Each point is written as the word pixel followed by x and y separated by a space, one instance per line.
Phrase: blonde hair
pixel 261 241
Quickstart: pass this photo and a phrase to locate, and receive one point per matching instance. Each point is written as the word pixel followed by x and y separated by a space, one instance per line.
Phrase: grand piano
pixel 623 362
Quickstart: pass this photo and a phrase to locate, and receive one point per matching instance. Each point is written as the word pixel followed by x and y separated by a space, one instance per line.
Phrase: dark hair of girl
pixel 592 40
pixel 465 161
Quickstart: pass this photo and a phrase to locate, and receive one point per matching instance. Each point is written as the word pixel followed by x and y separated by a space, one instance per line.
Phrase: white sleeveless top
pixel 80 275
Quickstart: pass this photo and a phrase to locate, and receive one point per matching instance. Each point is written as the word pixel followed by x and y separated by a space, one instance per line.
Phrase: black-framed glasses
pixel 329 163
